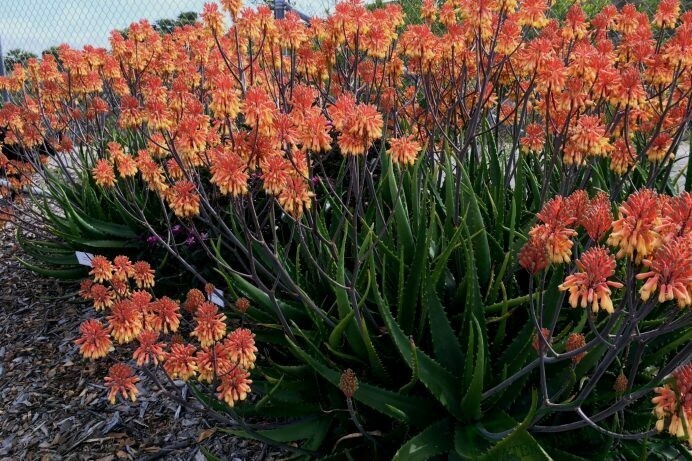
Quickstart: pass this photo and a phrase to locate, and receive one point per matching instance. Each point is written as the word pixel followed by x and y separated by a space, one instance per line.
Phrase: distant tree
pixel 166 26
pixel 17 56
pixel 53 50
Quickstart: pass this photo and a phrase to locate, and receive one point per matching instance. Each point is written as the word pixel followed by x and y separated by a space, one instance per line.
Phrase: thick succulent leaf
pixel 518 434
pixel 411 410
pixel 447 348
pixel 520 445
pixel 262 299
pixel 474 221
pixel 411 282
pixel 471 402
pixel 435 440
pixel 441 383
pixel 403 226
pixel 208 455
pixel 74 273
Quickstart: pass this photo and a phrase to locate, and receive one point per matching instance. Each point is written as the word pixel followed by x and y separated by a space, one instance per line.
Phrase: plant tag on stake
pixel 217 298
pixel 84 258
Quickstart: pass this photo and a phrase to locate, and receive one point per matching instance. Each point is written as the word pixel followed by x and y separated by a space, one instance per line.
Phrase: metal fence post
pixel 5 97
pixel 279 9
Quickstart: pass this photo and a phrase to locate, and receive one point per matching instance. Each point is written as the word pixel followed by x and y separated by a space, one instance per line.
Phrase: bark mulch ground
pixel 52 402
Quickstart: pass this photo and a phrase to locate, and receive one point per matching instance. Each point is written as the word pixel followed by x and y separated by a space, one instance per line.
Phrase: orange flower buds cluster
pixel 673 404
pixel 653 230
pixel 133 313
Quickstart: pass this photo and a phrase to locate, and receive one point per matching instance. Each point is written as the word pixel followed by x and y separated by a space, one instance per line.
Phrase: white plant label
pixel 217 298
pixel 84 258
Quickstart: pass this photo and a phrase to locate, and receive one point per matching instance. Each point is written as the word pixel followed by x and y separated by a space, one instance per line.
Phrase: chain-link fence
pixel 30 27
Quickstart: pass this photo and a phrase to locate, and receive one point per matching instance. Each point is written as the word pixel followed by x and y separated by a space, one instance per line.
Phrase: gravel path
pixel 52 402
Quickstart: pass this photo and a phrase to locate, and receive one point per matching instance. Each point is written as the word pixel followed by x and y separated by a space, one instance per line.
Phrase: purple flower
pixel 152 240
pixel 190 240
pixel 177 229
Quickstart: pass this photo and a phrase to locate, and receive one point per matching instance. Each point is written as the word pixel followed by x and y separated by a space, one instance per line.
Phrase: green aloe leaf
pixel 298 430
pixel 472 443
pixel 447 348
pixel 435 440
pixel 440 382
pixel 411 410
pixel 476 226
pixel 75 273
pixel 471 403
pixel 411 283
pixel 403 225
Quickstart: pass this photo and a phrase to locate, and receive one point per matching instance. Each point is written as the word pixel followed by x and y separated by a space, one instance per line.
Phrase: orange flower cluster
pixel 653 230
pixel 122 288
pixel 251 106
pixel 673 404
pixel 591 284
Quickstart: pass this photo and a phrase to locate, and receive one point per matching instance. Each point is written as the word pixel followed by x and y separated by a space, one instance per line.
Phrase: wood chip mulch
pixel 53 404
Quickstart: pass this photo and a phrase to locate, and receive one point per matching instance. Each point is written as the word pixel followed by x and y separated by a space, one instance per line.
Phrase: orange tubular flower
pixel 141 301
pixel 556 215
pixel 194 299
pixel 224 97
pixel 533 256
pixel 532 13
pixel 574 342
pixel 404 150
pixel 242 304
pixel 85 288
pixel 368 122
pixel 673 404
pixel 122 267
pixel 125 321
pixel 537 343
pixel 95 341
pixel 101 296
pixel 229 172
pixel 534 140
pixel 121 380
pixel 235 386
pixel 212 18
pixel 120 287
pixel 233 7
pixel 183 199
pixel 621 158
pixel 143 274
pixel 211 326
pixel 296 196
pixel 635 228
pixel 103 173
pixel 577 203
pixel 676 216
pixel 598 217
pixel 259 109
pixel 241 346
pixel 586 138
pixel 101 269
pixel 165 315
pixel 180 361
pixel 659 148
pixel 313 134
pixel 214 361
pixel 667 14
pixel 149 349
pixel 127 166
pixel 670 272
pixel 591 284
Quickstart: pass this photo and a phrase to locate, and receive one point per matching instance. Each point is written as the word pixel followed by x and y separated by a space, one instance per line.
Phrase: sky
pixel 35 25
